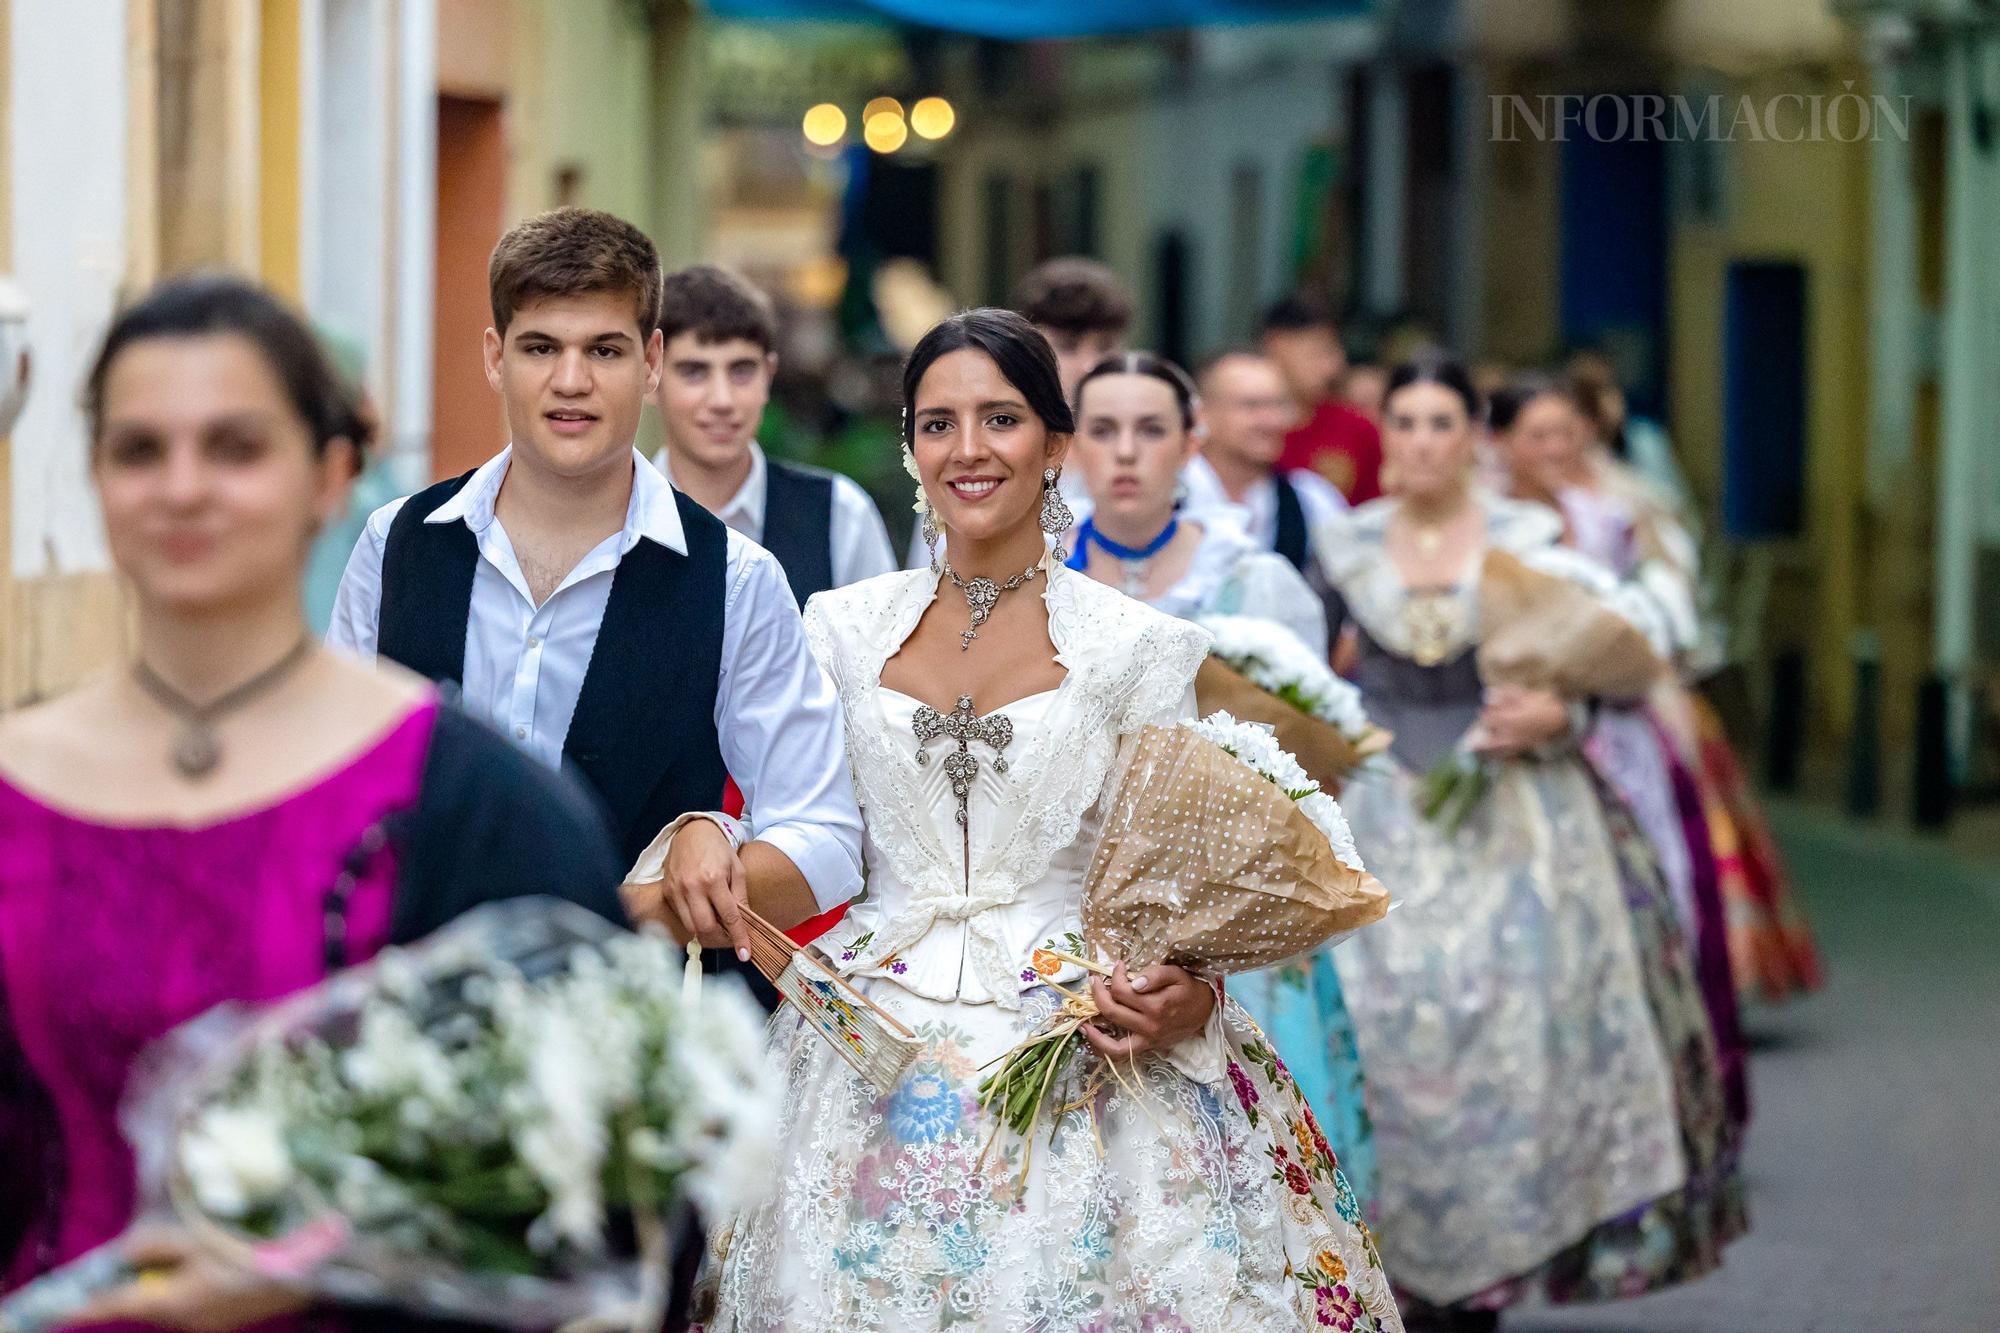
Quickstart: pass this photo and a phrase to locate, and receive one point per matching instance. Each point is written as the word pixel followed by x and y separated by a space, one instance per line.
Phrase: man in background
pixel 1240 469
pixel 1330 438
pixel 720 337
pixel 1082 307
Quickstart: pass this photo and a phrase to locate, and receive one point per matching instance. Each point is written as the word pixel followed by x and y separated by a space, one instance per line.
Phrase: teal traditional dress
pixel 1299 1005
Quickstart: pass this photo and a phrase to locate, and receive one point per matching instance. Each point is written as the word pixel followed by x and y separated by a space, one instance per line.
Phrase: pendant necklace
pixel 196 750
pixel 962 726
pixel 1134 562
pixel 982 595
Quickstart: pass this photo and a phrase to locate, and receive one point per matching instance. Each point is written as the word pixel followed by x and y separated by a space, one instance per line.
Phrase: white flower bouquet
pixel 504 1123
pixel 1220 855
pixel 1261 672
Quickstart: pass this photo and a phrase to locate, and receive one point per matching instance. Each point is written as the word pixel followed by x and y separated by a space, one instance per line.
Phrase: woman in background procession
pixel 1543 441
pixel 1627 469
pixel 1541 1077
pixel 984 721
pixel 1138 423
pixel 235 812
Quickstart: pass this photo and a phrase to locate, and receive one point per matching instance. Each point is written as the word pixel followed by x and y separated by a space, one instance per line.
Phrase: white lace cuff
pixel 1204 1056
pixel 651 867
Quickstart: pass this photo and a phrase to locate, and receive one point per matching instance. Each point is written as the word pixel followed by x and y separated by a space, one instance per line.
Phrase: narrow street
pixel 1874 1157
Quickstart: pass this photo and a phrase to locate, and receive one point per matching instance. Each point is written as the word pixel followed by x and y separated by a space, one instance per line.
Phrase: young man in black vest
pixel 1248 410
pixel 720 345
pixel 601 620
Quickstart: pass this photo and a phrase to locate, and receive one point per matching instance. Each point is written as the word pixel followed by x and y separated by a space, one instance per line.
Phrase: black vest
pixel 798 525
pixel 1291 541
pixel 643 734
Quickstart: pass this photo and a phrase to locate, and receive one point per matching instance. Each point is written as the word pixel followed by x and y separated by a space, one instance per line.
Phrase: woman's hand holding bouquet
pixel 1219 855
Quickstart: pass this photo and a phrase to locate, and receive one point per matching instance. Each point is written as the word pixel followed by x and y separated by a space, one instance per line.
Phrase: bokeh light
pixel 825 125
pixel 886 131
pixel 881 106
pixel 932 118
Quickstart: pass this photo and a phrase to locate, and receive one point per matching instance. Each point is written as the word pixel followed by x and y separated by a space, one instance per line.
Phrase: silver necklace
pixel 196 750
pixel 982 595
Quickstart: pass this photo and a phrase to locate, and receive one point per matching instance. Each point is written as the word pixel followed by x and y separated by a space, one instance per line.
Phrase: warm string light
pixel 932 118
pixel 825 125
pixel 885 126
pixel 885 131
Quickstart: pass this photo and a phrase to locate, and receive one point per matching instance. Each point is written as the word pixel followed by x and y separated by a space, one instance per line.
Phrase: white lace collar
pixel 1126 665
pixel 1224 544
pixel 1356 561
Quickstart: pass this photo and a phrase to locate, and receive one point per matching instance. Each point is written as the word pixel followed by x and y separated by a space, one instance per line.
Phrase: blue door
pixel 1764 401
pixel 1614 257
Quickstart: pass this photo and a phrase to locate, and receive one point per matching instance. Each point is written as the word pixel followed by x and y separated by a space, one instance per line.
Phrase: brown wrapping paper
pixel 1208 865
pixel 1319 747
pixel 1544 632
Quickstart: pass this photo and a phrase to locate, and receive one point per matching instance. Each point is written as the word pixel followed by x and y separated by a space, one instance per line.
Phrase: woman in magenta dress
pixel 234 812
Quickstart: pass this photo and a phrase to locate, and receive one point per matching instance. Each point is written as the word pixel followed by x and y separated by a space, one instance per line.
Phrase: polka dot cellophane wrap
pixel 1547 633
pixel 1207 864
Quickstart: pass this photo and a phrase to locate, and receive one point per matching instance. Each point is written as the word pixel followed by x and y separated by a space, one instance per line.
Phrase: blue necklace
pixel 1132 558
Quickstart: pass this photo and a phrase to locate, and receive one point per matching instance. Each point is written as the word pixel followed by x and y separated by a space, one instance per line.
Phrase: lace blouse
pixel 1233 576
pixel 1358 565
pixel 955 913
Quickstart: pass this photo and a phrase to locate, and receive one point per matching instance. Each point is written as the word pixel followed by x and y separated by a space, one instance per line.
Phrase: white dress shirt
pixel 859 541
pixel 776 715
pixel 1257 512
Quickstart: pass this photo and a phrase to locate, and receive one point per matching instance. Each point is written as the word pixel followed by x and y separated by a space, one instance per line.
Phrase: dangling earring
pixel 1056 516
pixel 930 528
pixel 923 502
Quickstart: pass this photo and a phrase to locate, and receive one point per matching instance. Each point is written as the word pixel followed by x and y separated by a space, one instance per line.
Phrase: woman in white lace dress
pixel 1205 1201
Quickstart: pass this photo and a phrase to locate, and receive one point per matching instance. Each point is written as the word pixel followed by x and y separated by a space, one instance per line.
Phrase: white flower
pixel 732 1095
pixel 1256 745
pixel 559 1122
pixel 235 1159
pixel 600 1066
pixel 391 1058
pixel 1273 659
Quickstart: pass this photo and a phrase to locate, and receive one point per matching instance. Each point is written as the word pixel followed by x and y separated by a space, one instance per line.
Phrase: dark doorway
pixel 1614 257
pixel 1764 401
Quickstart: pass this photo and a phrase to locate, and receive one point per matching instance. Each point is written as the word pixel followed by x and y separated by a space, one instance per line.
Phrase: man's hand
pixel 188 1288
pixel 702 893
pixel 1516 721
pixel 1161 1007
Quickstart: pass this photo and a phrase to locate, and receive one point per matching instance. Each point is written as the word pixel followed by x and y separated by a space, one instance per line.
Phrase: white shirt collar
pixel 743 511
pixel 651 513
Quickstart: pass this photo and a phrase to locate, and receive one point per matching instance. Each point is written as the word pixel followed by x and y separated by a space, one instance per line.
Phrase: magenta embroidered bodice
pixel 111 936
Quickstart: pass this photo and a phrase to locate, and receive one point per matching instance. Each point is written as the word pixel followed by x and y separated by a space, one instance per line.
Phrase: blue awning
pixel 1023 20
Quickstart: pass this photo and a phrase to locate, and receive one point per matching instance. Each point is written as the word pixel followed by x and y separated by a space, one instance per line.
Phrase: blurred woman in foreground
pixel 233 812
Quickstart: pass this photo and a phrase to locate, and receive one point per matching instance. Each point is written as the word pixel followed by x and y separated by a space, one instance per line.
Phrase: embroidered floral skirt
pixel 1301 1008
pixel 1518 1084
pixel 1177 1205
pixel 1680 1236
